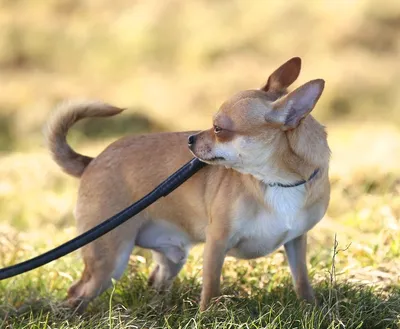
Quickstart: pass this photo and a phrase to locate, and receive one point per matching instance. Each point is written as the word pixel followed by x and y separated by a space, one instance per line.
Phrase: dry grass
pixel 176 61
pixel 172 63
pixel 361 292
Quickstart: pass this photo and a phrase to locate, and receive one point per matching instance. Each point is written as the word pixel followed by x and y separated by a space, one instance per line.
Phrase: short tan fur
pixel 259 137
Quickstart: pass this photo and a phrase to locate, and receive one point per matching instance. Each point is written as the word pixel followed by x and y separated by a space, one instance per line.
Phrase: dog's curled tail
pixel 65 115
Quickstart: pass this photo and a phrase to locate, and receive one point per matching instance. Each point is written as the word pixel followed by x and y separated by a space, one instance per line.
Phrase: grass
pixel 355 276
pixel 176 61
pixel 172 63
pixel 257 295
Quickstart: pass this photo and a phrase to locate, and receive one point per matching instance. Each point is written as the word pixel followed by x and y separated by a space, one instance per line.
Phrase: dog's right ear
pixel 283 76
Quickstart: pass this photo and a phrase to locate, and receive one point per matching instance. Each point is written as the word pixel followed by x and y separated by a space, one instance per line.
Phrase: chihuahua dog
pixel 266 186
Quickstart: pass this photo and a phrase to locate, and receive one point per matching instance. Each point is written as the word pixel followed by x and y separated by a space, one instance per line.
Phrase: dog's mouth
pixel 209 160
pixel 216 159
pixel 213 159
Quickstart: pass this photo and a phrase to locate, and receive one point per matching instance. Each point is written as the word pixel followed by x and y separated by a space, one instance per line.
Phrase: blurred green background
pixel 172 63
pixel 175 61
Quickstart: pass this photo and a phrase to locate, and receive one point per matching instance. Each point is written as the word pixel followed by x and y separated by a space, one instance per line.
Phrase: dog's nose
pixel 191 140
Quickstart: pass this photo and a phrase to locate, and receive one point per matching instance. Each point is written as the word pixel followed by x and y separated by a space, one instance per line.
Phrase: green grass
pixel 356 277
pixel 172 63
pixel 258 295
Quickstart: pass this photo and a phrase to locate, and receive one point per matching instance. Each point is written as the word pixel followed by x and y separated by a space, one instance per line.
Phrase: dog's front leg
pixel 296 250
pixel 214 255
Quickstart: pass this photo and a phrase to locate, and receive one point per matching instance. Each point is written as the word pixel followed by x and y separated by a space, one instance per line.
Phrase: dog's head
pixel 247 126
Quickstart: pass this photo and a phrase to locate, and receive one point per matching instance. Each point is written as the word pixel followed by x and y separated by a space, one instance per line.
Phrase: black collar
pixel 300 182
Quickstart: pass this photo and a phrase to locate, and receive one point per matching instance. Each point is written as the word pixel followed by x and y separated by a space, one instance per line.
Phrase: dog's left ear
pixel 283 76
pixel 289 110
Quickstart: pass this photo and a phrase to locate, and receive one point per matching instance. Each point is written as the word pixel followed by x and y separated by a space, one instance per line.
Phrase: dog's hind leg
pixel 105 258
pixel 101 266
pixel 166 269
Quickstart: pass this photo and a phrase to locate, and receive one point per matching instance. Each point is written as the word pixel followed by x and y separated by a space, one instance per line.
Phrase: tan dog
pixel 267 185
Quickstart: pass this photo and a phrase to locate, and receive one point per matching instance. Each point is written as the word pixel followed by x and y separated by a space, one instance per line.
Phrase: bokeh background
pixel 172 63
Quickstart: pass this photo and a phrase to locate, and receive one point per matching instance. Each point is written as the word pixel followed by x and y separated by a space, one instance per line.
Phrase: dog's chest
pixel 259 230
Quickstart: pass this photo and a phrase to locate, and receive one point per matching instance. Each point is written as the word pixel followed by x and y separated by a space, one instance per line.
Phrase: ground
pixel 356 278
pixel 172 63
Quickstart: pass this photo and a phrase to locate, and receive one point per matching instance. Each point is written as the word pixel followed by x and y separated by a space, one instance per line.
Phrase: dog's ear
pixel 289 110
pixel 283 76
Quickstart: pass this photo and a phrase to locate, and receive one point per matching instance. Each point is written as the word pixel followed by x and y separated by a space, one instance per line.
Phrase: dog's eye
pixel 217 129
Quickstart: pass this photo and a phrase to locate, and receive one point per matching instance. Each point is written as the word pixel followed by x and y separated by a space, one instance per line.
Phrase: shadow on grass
pixel 132 304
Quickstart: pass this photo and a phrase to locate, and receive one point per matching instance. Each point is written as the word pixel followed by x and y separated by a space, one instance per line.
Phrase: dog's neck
pixel 298 154
pixel 308 148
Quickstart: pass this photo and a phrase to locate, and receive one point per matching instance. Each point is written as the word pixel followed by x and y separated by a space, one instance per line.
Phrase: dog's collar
pixel 298 183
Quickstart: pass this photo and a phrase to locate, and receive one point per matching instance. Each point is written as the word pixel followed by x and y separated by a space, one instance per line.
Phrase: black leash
pixel 162 190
